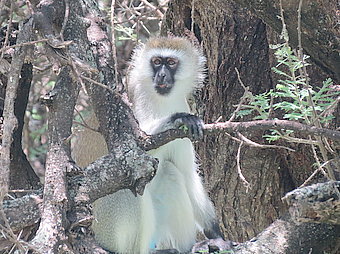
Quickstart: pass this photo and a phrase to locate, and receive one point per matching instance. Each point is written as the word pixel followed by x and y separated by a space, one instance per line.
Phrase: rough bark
pixel 19 166
pixel 319 26
pixel 23 212
pixel 284 236
pixel 315 203
pixel 13 114
pixel 61 101
pixel 22 175
pixel 17 82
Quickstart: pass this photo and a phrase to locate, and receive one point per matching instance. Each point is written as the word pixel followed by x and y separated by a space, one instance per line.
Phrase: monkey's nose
pixel 162 77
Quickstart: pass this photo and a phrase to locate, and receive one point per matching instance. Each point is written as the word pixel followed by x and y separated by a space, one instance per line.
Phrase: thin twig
pixel 26 44
pixel 249 94
pixel 21 191
pixel 47 67
pixel 154 8
pixel 240 80
pixel 74 133
pixel 99 84
pixel 218 119
pixel 141 15
pixel 298 140
pixel 245 182
pixel 270 111
pixel 254 144
pixel 314 153
pixel 81 117
pixel 145 28
pixel 67 11
pixel 113 39
pixel 192 16
pixel 243 98
pixel 314 173
pixel 9 26
pixel 78 75
pixel 86 126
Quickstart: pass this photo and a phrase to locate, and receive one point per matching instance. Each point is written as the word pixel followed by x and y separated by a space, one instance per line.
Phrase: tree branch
pixel 284 236
pixel 23 212
pixel 315 203
pixel 155 141
pixel 10 120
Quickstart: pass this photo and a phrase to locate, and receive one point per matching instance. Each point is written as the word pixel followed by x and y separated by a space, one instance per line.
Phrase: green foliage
pixel 259 103
pixel 275 135
pixel 295 100
pixel 36 135
pixel 184 127
pixel 298 100
pixel 126 33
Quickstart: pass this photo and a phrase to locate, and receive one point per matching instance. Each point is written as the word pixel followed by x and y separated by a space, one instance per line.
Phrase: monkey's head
pixel 167 67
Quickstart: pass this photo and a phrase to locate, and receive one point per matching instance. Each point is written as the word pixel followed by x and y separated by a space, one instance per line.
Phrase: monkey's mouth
pixel 163 89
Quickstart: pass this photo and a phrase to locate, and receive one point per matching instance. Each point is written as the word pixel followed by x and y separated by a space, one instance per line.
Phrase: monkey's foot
pixel 212 245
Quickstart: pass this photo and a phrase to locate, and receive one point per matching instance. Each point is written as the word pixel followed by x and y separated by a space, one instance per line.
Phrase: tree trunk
pixel 319 27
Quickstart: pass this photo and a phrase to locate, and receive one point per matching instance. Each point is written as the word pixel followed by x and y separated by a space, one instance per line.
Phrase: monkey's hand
pixel 190 123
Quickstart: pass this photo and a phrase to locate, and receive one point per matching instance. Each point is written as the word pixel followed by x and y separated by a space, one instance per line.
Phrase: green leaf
pixel 242 113
pixel 184 127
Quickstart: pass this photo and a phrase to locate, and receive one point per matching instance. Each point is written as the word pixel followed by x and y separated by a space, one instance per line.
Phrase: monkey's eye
pixel 156 61
pixel 172 62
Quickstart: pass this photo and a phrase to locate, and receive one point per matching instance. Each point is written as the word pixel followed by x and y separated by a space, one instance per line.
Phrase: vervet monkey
pixel 174 205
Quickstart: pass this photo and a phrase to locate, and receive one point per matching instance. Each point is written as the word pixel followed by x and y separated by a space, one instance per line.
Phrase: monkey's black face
pixel 164 69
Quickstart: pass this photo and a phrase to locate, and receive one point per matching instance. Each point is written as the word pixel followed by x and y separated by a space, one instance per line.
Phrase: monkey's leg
pixel 124 223
pixel 175 227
